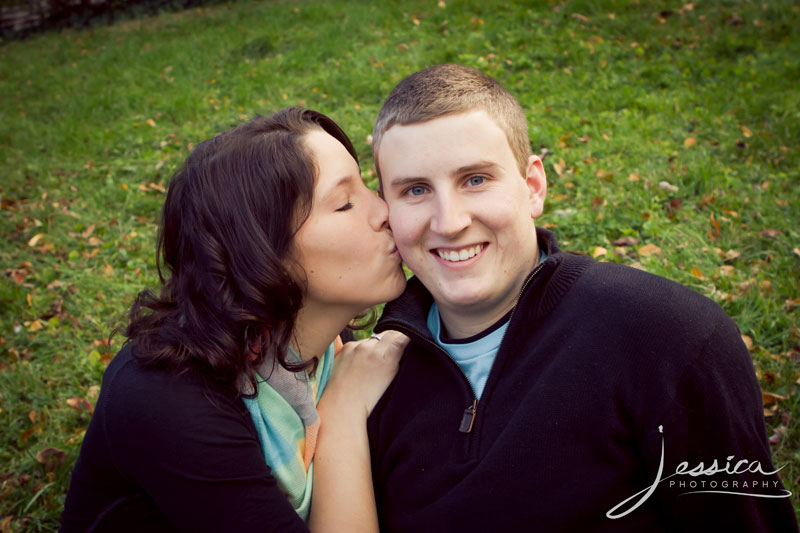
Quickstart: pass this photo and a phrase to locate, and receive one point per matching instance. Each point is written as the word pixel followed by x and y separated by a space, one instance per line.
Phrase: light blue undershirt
pixel 475 358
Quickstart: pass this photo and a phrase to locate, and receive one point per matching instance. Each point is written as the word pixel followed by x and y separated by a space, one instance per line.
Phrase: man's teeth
pixel 460 255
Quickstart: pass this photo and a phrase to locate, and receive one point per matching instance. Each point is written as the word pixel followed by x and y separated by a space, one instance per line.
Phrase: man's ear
pixel 537 185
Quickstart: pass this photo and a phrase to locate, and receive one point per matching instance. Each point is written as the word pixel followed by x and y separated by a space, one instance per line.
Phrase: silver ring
pixel 376 337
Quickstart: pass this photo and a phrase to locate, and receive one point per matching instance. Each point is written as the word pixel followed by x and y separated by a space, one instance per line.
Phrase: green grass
pixel 622 96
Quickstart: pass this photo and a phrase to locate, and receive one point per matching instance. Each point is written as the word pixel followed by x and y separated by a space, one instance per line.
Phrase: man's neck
pixel 461 323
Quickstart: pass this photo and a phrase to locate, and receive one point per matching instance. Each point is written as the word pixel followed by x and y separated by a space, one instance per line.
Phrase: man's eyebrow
pixel 473 167
pixel 466 169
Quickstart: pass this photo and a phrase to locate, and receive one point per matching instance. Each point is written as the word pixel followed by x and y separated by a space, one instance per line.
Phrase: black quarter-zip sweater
pixel 604 370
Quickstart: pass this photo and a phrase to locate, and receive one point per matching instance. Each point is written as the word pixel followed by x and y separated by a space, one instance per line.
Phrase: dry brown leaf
pixel 94 241
pixel 768 398
pixel 79 404
pixel 689 142
pixel 649 249
pixel 633 176
pixel 732 255
pixel 770 233
pixel 88 231
pixel 51 458
pixel 778 435
pixel 626 241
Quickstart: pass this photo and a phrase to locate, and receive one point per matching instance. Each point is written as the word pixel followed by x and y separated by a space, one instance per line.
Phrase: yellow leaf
pixel 689 142
pixel 747 341
pixel 649 249
pixel 35 239
pixel 598 251
pixel 150 122
pixel 746 132
pixel 36 325
pixel 633 177
pixel 696 273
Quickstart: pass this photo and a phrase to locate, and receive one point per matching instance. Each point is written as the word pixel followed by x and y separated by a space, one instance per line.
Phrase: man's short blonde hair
pixel 449 89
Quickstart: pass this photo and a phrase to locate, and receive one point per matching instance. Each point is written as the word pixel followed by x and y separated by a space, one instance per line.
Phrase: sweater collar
pixel 552 279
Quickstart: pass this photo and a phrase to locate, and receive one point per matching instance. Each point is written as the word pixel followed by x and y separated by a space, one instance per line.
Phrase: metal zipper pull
pixel 468 418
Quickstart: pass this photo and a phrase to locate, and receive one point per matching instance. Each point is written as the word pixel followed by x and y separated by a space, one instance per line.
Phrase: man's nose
pixel 451 215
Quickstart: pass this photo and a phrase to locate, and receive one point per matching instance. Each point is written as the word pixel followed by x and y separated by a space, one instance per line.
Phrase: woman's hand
pixel 362 371
pixel 343 498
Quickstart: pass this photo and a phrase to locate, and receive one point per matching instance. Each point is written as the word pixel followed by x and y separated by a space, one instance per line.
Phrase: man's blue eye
pixel 417 190
pixel 476 180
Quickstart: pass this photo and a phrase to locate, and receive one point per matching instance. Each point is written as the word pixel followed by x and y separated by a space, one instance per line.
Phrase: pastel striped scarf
pixel 284 411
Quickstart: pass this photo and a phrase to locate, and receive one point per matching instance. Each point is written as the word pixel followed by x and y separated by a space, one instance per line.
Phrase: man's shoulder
pixel 621 285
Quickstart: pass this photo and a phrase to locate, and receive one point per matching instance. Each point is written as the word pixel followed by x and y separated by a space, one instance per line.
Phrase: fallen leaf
pixel 633 176
pixel 80 404
pixel 689 142
pixel 649 249
pixel 778 435
pixel 580 17
pixel 768 398
pixel 726 270
pixel 746 132
pixel 748 341
pixel 731 255
pixel 35 239
pixel 626 241
pixel 599 251
pixel 51 458
pixel 94 241
pixel 667 186
pixel 696 273
pixel 88 231
pixel 770 233
pixel 32 417
pixel 797 252
pixel 150 122
pixel 17 275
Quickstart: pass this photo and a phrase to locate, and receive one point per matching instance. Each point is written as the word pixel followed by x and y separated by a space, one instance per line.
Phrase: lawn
pixel 669 130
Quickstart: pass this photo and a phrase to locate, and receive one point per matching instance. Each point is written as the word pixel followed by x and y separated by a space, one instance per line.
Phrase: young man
pixel 542 390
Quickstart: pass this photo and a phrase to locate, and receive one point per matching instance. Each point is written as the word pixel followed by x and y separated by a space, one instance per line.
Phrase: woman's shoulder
pixel 136 396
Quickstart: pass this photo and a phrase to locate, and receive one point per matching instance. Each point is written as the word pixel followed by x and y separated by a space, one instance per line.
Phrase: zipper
pixel 468 418
pixel 519 297
pixel 471 411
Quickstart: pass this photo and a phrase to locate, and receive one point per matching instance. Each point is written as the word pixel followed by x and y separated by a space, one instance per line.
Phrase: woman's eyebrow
pixel 343 181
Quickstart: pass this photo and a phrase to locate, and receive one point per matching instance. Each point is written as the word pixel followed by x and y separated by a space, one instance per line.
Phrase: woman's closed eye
pixel 346 206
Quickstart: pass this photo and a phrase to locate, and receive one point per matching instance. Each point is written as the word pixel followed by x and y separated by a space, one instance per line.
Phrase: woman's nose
pixel 378 213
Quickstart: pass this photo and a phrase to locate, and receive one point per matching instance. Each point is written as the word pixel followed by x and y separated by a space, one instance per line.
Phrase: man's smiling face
pixel 461 213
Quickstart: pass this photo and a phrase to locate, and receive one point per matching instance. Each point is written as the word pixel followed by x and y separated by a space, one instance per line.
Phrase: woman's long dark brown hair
pixel 227 299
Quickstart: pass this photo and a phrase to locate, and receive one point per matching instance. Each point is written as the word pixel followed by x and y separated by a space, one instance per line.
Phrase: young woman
pixel 207 418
